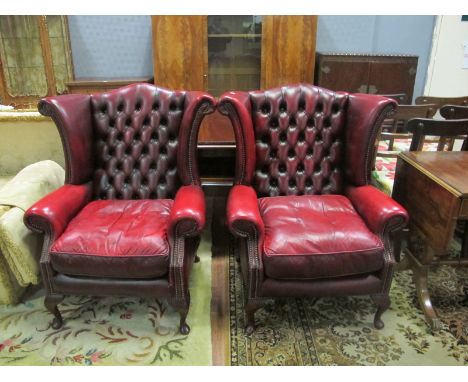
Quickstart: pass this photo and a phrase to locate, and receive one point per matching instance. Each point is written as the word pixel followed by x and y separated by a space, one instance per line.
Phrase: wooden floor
pixel 220 329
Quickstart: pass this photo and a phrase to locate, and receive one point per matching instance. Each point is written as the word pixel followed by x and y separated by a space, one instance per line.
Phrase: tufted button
pixel 172 106
pixel 273 154
pixel 128 150
pixel 163 121
pixel 145 150
pixel 119 136
pixel 146 121
pixel 327 122
pixel 335 108
pixel 300 167
pixel 163 151
pixel 111 122
pixel 172 138
pixel 309 152
pixel 265 169
pixel 137 136
pixel 120 107
pixel 301 105
pixel 292 183
pixel 310 122
pixel 265 108
pixel 138 106
pixel 273 183
pixel 264 139
pixel 291 153
pixel 292 121
pixel 128 121
pixel 104 109
pixel 162 180
pixel 301 137
pixel 283 107
pixel 283 137
pixel 308 183
pixel 155 106
pixel 274 123
pixel 319 107
pixel 282 168
pixel 119 166
pixel 111 151
pixel 154 136
pixel 153 166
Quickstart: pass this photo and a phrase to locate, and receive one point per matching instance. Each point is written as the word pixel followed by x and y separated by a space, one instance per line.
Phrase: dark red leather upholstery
pixel 379 211
pixel 310 236
pixel 318 227
pixel 299 133
pixel 189 206
pixel 365 114
pixel 72 115
pixel 137 144
pixel 52 213
pixel 137 132
pixel 121 238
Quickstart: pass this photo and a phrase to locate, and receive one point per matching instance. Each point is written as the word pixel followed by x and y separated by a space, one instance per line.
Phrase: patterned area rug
pixel 111 331
pixel 339 331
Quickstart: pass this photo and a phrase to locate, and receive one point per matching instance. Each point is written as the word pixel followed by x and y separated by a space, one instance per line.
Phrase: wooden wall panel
pixel 288 50
pixel 180 55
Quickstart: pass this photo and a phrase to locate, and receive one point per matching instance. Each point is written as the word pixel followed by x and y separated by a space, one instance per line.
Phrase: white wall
pixel 445 76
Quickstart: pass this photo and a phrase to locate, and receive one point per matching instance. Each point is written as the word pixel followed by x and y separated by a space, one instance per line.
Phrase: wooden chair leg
pixel 51 301
pixel 383 303
pixel 251 307
pixel 182 306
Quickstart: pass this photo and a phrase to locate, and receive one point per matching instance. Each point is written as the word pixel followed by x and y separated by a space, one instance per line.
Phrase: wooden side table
pixel 433 187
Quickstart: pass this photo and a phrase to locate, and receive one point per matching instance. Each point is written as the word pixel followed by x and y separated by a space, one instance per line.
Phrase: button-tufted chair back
pixel 135 142
pixel 136 138
pixel 299 134
pixel 302 139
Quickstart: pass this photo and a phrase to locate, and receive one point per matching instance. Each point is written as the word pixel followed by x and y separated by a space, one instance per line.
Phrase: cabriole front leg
pixel 182 306
pixel 383 303
pixel 51 301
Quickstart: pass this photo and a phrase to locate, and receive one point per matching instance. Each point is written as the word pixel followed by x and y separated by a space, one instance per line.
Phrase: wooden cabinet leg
pixel 420 276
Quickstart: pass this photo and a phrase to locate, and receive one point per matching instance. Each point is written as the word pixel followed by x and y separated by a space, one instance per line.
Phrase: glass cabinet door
pixel 234 53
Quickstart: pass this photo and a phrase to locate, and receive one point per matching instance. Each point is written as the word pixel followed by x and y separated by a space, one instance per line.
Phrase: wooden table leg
pixel 420 277
pixel 420 258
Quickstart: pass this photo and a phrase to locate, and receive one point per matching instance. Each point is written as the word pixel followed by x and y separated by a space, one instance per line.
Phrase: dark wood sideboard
pixel 363 73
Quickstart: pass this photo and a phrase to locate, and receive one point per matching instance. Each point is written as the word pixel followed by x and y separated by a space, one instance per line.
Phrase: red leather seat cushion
pixel 316 236
pixel 116 238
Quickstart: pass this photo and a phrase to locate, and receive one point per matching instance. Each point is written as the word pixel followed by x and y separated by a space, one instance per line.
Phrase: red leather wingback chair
pixel 127 220
pixel 308 222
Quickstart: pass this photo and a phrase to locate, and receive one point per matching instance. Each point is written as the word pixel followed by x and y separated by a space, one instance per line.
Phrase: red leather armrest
pixel 188 209
pixel 54 211
pixel 242 208
pixel 379 211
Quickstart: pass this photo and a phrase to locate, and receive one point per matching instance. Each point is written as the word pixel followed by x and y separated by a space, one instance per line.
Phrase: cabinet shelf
pixel 235 35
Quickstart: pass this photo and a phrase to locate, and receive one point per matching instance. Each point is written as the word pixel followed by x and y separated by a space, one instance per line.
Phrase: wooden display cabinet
pixel 220 53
